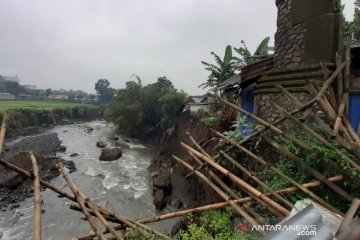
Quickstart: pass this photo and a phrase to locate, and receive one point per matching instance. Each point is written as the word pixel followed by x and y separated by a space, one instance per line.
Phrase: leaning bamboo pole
pixel 344 102
pixel 130 223
pixel 202 208
pixel 340 82
pixel 3 131
pixel 37 198
pixel 241 183
pixel 81 201
pixel 311 171
pixel 275 170
pixel 241 211
pixel 255 179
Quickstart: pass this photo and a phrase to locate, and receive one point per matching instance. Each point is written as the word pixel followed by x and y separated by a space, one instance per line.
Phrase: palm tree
pixel 246 56
pixel 221 71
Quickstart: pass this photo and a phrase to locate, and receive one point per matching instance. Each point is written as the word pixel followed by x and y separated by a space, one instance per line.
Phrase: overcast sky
pixel 72 43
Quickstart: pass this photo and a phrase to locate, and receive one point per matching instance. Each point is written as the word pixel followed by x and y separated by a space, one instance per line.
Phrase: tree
pixel 221 71
pixel 102 87
pixel 246 57
pixel 352 28
pixel 48 92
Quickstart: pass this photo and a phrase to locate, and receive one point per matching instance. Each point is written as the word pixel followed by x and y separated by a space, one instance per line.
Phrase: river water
pixel 122 186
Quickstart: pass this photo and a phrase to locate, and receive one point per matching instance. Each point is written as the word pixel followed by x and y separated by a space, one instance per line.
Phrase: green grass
pixel 37 105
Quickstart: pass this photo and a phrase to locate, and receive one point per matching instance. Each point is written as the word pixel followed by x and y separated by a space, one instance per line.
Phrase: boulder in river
pixel 159 199
pixel 74 154
pixel 110 154
pixel 100 144
pixel 162 181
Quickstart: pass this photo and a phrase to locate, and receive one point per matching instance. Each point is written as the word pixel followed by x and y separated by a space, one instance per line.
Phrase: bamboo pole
pixel 340 82
pixel 237 180
pixel 204 208
pixel 255 179
pixel 343 229
pixel 326 74
pixel 37 198
pixel 352 132
pixel 284 176
pixel 81 203
pixel 347 74
pixel 241 211
pixel 61 193
pixel 307 169
pixel 3 131
pixel 317 136
pixel 344 101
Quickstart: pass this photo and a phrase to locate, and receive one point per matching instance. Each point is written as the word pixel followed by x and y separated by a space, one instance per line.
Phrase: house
pixel 196 104
pixel 57 97
pixel 11 78
pixel 7 96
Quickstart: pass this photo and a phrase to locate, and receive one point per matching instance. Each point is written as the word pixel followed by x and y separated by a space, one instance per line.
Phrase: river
pixel 122 186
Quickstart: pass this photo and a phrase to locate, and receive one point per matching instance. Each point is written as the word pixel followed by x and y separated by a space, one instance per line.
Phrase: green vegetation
pixel 209 120
pixel 36 105
pixel 224 68
pixel 214 225
pixel 139 110
pixel 102 87
pixel 239 129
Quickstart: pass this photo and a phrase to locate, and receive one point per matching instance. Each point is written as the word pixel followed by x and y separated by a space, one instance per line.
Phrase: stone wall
pixel 289 38
pixel 264 109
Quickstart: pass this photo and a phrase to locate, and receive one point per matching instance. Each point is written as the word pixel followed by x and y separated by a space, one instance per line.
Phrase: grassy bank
pixel 38 113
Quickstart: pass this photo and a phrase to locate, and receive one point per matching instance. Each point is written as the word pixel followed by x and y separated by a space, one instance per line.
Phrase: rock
pixel 100 144
pixel 162 181
pixel 159 199
pixel 14 206
pixel 114 138
pixel 70 165
pixel 177 204
pixel 61 148
pixel 12 182
pixel 74 154
pixel 110 154
pixel 179 225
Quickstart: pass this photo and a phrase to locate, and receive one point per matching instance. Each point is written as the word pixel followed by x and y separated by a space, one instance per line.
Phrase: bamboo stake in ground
pixel 3 131
pixel 237 180
pixel 81 203
pixel 281 174
pixel 37 199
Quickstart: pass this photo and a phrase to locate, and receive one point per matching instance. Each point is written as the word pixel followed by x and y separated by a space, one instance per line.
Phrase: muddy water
pixel 121 186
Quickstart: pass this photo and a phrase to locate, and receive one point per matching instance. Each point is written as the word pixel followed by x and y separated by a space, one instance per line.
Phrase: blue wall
pixel 355 110
pixel 247 103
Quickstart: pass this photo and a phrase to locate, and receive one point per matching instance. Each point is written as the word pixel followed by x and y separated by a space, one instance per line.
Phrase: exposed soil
pixel 13 187
pixel 199 193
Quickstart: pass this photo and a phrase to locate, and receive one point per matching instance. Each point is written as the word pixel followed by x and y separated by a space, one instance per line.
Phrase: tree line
pixel 140 110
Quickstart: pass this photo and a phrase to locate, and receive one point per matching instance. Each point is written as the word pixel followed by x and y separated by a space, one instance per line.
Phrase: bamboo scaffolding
pixel 81 201
pixel 3 131
pixel 231 192
pixel 326 74
pixel 37 199
pixel 340 82
pixel 255 179
pixel 237 180
pixel 61 193
pixel 340 115
pixel 203 208
pixel 281 174
pixel 225 187
pixel 320 122
pixel 241 211
pixel 268 125
pixel 352 132
pixel 309 170
pixel 317 136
